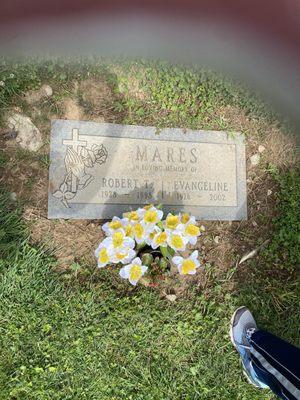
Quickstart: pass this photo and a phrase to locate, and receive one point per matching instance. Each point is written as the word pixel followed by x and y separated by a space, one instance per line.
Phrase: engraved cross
pixel 75 142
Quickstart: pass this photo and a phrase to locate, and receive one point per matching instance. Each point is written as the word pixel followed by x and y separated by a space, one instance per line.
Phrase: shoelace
pixel 249 333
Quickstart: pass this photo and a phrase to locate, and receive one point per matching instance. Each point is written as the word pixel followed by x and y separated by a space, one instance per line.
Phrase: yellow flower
pixel 123 256
pixel 102 255
pixel 176 240
pixel 115 225
pixel 159 239
pixel 132 216
pixel 148 206
pixel 129 230
pixel 190 230
pixel 110 227
pixel 151 216
pixel 139 232
pixel 172 221
pixel 149 232
pixel 184 218
pixel 188 265
pixel 134 271
pixel 118 241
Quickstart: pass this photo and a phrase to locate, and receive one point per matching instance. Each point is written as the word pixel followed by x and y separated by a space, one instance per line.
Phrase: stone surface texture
pixel 255 159
pixel 29 137
pixel 34 96
pixel 100 170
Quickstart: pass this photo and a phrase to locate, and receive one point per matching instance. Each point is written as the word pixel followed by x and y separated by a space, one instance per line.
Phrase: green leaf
pixel 160 225
pixel 164 251
pixel 171 251
pixel 140 246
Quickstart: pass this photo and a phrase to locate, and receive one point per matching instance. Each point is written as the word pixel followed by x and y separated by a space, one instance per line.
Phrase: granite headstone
pixel 100 170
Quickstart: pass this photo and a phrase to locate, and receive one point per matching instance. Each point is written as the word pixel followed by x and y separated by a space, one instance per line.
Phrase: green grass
pixel 12 232
pixel 78 335
pixel 174 95
pixel 284 248
pixel 184 97
pixel 93 341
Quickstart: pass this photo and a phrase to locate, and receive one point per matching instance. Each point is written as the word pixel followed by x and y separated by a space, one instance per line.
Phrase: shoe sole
pixel 233 342
pixel 231 326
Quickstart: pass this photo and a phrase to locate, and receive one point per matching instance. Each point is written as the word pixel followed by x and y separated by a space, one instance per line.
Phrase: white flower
pixel 134 271
pixel 184 218
pixel 110 227
pixel 2 83
pixel 132 216
pixel 118 242
pixel 150 215
pixel 176 240
pixel 187 266
pixel 128 227
pixel 150 232
pixel 190 230
pixel 159 239
pixel 11 75
pixel 123 256
pixel 103 255
pixel 172 221
pixel 142 232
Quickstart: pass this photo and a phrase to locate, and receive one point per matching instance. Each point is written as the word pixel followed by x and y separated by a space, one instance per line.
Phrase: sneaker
pixel 242 326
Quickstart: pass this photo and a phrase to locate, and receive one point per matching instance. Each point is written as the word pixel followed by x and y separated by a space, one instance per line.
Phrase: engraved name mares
pixel 101 170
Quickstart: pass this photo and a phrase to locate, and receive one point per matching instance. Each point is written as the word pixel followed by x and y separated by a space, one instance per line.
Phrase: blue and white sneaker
pixel 242 326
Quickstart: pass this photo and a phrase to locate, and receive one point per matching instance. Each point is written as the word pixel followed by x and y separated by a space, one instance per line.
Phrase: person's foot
pixel 242 325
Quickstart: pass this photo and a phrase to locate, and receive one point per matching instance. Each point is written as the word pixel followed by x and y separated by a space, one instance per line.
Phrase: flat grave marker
pixel 100 170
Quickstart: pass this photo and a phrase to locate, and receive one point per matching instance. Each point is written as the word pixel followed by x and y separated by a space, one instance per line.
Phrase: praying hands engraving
pixel 78 158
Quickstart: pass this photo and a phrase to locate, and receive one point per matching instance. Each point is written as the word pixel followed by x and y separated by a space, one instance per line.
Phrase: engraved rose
pixel 97 154
pixel 100 153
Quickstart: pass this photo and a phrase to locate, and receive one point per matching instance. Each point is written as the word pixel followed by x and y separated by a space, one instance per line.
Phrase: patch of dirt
pixel 72 110
pixel 281 149
pixel 97 98
pixel 96 92
pixel 69 240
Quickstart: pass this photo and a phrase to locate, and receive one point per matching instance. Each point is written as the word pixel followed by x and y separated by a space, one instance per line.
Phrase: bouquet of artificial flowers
pixel 127 236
